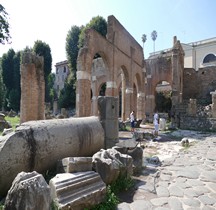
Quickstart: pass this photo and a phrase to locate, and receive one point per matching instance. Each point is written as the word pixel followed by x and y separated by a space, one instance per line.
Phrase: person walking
pixel 156 123
pixel 132 121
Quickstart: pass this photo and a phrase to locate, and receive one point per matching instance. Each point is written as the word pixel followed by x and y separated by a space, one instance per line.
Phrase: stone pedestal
pixel 213 104
pixel 109 109
pixel 192 107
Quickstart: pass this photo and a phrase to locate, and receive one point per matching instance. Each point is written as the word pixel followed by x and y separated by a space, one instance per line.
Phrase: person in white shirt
pixel 132 120
pixel 156 123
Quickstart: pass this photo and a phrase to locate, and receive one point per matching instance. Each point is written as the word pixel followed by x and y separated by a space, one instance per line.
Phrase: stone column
pixel 128 101
pixel 140 105
pixel 123 98
pixel 111 88
pixel 32 88
pixel 94 103
pixel 175 76
pixel 150 106
pixel 40 144
pixel 213 104
pixel 109 109
pixel 55 107
pixel 83 94
pixel 192 107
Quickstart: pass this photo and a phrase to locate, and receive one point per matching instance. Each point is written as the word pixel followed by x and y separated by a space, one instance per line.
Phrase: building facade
pixel 61 74
pixel 198 54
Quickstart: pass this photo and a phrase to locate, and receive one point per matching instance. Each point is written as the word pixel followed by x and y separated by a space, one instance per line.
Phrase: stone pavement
pixel 185 180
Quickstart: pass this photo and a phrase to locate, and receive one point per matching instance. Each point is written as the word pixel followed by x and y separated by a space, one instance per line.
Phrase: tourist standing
pixel 132 121
pixel 156 123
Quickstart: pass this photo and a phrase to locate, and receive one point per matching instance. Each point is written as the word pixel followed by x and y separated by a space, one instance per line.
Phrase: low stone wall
pixel 197 123
pixel 38 145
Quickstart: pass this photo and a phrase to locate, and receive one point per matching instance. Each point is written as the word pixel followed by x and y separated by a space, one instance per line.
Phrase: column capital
pixel 83 75
pixel 129 90
pixel 150 96
pixel 111 84
pixel 140 94
pixel 94 98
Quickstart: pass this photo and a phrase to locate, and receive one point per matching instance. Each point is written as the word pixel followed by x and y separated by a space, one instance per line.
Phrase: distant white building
pixel 198 54
pixel 61 74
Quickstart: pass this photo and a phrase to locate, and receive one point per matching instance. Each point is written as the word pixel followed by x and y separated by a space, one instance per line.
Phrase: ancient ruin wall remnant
pixel 213 104
pixel 32 88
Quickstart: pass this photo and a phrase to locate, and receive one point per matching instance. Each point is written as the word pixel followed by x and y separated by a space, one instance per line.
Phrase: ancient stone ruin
pixel 38 145
pixel 123 71
pixel 133 80
pixel 130 85
pixel 32 106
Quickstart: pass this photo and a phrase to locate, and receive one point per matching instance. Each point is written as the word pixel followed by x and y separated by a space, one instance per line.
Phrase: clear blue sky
pixel 50 20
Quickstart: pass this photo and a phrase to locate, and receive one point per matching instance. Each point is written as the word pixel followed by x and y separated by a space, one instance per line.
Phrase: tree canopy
pixel 8 69
pixel 98 23
pixel 4 26
pixel 74 41
pixel 72 49
pixel 43 49
pixel 144 38
pixel 10 65
pixel 1 87
pixel 154 37
pixel 67 98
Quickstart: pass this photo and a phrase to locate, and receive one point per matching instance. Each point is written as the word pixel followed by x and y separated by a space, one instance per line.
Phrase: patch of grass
pixel 126 128
pixel 14 121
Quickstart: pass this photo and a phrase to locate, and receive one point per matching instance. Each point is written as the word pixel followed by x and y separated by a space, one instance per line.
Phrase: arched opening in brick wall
pixel 102 88
pixel 99 77
pixel 138 96
pixel 122 59
pixel 122 83
pixel 163 94
pixel 135 99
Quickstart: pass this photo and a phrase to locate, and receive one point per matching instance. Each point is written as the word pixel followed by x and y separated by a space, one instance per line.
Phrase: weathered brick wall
pixel 32 88
pixel 190 88
pixel 197 123
pixel 199 84
pixel 121 54
pixel 207 81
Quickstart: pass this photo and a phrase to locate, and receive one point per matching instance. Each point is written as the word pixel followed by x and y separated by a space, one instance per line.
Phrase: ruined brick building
pixel 122 72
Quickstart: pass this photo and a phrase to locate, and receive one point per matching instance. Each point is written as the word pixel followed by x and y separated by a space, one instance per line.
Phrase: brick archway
pixel 168 67
pixel 118 49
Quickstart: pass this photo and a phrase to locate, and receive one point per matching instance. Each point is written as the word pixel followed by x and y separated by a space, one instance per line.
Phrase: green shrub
pixel 123 183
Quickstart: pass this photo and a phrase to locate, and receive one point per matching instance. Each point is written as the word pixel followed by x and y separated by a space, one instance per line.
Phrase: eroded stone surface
pixel 38 145
pixel 29 191
pixel 77 190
